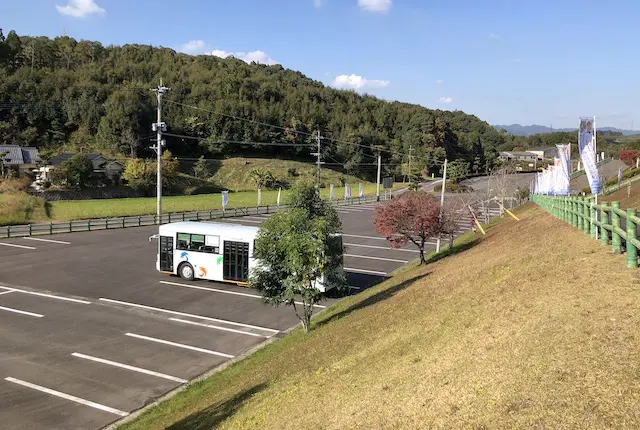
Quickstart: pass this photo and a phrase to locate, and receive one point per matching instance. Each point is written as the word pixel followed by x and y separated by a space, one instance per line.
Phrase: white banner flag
pixel 259 196
pixel 278 199
pixel 360 191
pixel 225 199
pixel 330 191
pixel 564 170
pixel 347 191
pixel 587 147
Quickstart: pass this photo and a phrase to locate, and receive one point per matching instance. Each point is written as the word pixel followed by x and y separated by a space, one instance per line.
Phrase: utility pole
pixel 319 160
pixel 159 127
pixel 410 151
pixel 444 181
pixel 378 181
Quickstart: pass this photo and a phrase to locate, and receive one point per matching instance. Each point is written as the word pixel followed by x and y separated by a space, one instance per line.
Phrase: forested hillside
pixel 62 94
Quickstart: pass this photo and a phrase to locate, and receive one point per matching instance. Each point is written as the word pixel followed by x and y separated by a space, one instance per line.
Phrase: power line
pixel 241 142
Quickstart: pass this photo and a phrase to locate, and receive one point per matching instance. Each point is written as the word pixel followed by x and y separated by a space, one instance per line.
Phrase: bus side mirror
pixel 155 236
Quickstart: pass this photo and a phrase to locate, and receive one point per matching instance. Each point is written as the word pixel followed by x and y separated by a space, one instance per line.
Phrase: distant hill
pixel 530 130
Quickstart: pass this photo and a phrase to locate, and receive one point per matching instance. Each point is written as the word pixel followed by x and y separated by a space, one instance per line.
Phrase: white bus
pixel 212 251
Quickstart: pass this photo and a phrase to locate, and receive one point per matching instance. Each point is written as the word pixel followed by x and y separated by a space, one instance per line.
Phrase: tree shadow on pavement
pixel 214 415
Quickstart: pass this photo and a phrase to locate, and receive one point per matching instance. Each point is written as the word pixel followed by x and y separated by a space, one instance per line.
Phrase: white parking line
pixel 47 240
pixel 126 366
pixel 184 314
pixel 363 237
pixel 50 296
pixel 216 290
pixel 386 248
pixel 366 257
pixel 16 246
pixel 180 345
pixel 67 396
pixel 372 272
pixel 218 327
pixel 18 311
pixel 7 292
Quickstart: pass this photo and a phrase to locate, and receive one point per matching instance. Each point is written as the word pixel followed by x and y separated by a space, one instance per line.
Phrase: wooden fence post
pixel 616 240
pixel 632 251
pixel 604 220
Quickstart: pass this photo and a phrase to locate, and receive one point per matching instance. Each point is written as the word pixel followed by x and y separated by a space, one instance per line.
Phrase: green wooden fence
pixel 606 221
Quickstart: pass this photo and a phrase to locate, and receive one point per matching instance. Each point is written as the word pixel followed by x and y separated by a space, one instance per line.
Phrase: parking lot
pixel 91 331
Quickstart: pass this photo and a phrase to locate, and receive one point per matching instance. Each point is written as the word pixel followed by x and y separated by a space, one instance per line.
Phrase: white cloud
pixel 318 3
pixel 494 36
pixel 193 46
pixel 379 6
pixel 357 82
pixel 248 57
pixel 445 100
pixel 439 82
pixel 80 8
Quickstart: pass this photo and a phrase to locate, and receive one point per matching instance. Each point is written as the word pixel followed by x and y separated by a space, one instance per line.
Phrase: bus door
pixel 236 261
pixel 166 254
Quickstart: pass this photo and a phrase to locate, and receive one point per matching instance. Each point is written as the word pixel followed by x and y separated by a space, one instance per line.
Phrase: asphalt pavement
pixel 92 332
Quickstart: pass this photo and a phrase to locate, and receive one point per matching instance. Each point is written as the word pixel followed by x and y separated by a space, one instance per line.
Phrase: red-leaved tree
pixel 629 156
pixel 412 217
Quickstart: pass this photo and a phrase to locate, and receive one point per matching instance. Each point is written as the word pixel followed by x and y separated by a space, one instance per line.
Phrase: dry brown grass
pixel 534 327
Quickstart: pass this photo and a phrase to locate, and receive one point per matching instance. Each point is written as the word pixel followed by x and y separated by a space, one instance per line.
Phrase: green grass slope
pixel 533 326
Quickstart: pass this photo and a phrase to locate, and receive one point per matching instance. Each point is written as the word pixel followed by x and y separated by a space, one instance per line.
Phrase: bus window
pixel 197 243
pixel 183 241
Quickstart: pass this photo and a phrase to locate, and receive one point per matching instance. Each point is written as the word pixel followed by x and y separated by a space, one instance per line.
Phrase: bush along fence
pixel 47 228
pixel 605 221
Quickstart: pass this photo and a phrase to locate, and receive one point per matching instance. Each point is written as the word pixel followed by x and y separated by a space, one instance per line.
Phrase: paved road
pixel 91 332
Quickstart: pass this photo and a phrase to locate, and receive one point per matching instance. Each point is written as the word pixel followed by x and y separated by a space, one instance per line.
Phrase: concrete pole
pixel 444 181
pixel 378 181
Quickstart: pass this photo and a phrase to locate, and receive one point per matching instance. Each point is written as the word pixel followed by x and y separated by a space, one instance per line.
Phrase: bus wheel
pixel 186 271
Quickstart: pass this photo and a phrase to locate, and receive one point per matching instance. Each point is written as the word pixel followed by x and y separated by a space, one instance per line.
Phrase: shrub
pixel 9 186
pixel 21 208
pixel 292 172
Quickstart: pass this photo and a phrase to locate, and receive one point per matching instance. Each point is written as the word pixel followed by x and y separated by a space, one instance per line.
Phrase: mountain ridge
pixel 530 130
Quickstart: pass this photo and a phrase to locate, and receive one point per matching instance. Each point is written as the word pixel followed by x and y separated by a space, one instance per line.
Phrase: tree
pixel 412 217
pixel 262 178
pixel 451 214
pixel 295 248
pixel 457 170
pixel 201 169
pixel 141 174
pixel 75 172
pixel 522 195
pixel 629 156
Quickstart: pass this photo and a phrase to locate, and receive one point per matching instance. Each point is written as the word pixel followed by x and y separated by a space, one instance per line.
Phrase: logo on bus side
pixel 219 260
pixel 184 256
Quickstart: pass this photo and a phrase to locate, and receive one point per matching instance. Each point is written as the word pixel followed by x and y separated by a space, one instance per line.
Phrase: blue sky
pixel 506 61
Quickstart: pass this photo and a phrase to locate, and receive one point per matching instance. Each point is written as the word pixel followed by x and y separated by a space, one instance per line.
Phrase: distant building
pixel 517 156
pixel 102 166
pixel 545 153
pixel 20 159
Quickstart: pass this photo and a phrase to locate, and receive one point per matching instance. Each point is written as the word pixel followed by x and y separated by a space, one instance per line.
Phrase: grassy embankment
pixel 233 174
pixel 534 326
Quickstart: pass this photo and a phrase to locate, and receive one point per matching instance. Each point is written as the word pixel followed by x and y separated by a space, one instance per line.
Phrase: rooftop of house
pixel 16 155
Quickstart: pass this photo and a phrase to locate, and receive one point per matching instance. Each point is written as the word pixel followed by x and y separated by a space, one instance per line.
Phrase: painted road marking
pixel 67 396
pixel 218 327
pixel 16 246
pixel 216 290
pixel 363 237
pixel 133 368
pixel 18 311
pixel 386 248
pixel 47 240
pixel 7 292
pixel 184 314
pixel 66 299
pixel 179 345
pixel 392 260
pixel 372 272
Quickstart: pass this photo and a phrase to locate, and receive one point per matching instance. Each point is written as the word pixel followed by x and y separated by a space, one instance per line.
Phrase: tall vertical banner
pixel 259 196
pixel 330 191
pixel 360 191
pixel 225 199
pixel 278 200
pixel 347 191
pixel 564 172
pixel 587 147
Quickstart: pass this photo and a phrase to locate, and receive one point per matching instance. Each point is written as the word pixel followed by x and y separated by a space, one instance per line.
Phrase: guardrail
pixel 606 222
pixel 37 229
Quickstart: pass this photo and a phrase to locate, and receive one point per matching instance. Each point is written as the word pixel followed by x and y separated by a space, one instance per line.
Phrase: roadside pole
pixel 159 127
pixel 378 180
pixel 444 181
